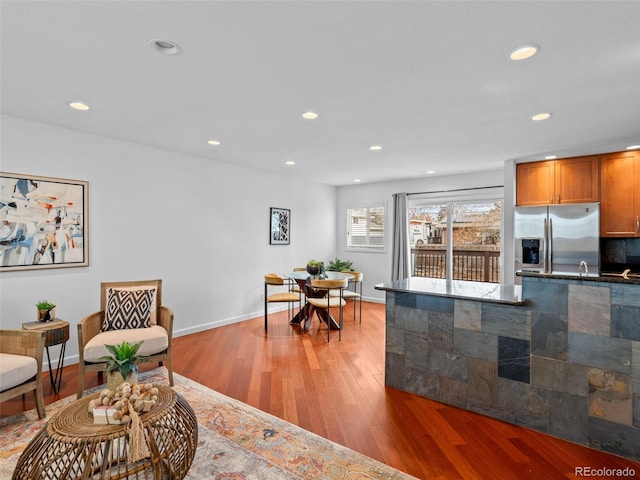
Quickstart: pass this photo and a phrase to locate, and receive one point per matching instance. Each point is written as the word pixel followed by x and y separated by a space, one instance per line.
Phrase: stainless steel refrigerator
pixel 563 239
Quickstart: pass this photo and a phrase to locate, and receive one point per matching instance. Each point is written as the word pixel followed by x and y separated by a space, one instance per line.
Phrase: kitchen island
pixel 560 354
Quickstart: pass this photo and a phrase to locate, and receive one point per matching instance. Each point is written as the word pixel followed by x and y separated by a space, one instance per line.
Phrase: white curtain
pixel 400 261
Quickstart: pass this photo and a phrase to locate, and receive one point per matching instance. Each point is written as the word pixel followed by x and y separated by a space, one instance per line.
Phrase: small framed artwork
pixel 280 233
pixel 43 222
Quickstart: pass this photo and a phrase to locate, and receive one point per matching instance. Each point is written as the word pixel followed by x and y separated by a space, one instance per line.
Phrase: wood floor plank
pixel 337 391
pixel 474 428
pixel 429 416
pixel 289 404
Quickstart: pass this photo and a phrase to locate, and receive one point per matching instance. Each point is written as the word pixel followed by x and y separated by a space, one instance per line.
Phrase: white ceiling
pixel 429 81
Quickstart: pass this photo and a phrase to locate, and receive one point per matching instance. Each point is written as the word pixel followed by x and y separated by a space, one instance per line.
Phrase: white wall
pixel 377 266
pixel 200 225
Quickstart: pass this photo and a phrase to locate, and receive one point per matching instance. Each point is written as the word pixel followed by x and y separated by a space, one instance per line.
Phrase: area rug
pixel 235 441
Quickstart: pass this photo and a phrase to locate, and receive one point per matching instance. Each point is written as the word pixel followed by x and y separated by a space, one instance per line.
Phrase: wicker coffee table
pixel 72 446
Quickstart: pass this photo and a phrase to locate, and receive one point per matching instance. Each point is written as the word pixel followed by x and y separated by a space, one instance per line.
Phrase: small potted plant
pixel 313 267
pixel 337 265
pixel 121 364
pixel 46 310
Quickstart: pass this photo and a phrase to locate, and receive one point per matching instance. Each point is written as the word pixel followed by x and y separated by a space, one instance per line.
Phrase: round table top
pixel 302 275
pixel 75 422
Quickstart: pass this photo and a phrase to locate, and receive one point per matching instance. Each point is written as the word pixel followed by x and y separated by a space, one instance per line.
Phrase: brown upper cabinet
pixel 552 182
pixel 620 189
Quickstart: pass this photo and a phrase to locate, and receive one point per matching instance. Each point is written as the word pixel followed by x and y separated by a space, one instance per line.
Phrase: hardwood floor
pixel 337 390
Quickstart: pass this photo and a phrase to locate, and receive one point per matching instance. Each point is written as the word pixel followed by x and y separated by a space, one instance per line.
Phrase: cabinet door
pixel 534 183
pixel 577 180
pixel 620 196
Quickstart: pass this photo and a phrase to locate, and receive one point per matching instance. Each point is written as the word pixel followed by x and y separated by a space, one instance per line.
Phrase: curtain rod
pixel 456 190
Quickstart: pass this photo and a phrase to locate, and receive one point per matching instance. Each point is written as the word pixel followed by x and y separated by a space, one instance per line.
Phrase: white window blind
pixel 365 228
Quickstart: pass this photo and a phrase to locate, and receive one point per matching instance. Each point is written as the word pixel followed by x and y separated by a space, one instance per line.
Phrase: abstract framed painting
pixel 280 232
pixel 43 222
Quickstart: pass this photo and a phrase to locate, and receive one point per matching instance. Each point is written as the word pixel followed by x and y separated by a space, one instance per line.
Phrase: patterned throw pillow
pixel 128 309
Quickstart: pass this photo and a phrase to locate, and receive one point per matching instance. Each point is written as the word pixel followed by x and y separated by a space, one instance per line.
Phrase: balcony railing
pixel 478 265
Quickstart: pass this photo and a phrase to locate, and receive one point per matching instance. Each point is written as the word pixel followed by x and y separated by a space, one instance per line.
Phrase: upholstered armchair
pixel 21 365
pixel 129 311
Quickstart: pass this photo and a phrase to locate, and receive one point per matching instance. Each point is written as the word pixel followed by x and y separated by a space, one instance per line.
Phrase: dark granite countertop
pixel 479 291
pixel 591 277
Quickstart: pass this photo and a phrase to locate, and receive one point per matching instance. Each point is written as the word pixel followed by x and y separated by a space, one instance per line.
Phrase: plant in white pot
pixel 121 364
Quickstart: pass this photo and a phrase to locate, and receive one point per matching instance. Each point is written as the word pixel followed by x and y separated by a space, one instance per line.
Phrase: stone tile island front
pixel 560 354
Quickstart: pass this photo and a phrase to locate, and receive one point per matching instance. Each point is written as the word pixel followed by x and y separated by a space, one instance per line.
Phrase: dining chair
pixel 348 294
pixel 290 297
pixel 328 301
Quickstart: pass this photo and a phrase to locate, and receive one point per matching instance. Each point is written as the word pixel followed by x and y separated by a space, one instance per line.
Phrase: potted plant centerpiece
pixel 46 310
pixel 337 265
pixel 121 364
pixel 315 268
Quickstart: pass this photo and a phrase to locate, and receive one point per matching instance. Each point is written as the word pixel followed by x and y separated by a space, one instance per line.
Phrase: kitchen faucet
pixel 583 268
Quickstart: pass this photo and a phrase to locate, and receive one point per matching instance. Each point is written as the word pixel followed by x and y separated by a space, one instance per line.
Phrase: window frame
pixel 367 248
pixel 479 195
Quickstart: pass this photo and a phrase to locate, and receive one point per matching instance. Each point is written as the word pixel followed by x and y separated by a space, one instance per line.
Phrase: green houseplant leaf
pixel 123 358
pixel 337 265
pixel 45 305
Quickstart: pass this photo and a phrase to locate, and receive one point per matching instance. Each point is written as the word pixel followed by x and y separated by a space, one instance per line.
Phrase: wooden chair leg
pixel 80 380
pixel 40 400
pixel 169 365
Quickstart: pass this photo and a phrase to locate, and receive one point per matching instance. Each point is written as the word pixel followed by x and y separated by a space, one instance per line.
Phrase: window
pixel 365 228
pixel 458 240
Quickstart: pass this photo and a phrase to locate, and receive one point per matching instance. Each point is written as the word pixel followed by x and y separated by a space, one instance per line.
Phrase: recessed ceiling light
pixel 166 47
pixel 429 172
pixel 633 147
pixel 310 115
pixel 540 116
pixel 524 52
pixel 356 179
pixel 289 162
pixel 550 157
pixel 79 106
pixel 213 142
pixel 375 147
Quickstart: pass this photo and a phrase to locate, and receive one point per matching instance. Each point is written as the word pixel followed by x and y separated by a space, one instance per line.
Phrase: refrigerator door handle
pixel 545 236
pixel 550 245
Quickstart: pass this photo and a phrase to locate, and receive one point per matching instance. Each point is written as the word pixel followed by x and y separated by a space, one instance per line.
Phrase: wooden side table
pixel 57 334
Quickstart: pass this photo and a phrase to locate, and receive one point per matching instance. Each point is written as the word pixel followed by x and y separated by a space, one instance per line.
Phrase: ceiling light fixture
pixel 309 115
pixel 550 157
pixel 213 142
pixel 540 116
pixel 165 47
pixel 524 52
pixel 289 162
pixel 79 106
pixel 356 180
pixel 429 172
pixel 633 147
pixel 375 147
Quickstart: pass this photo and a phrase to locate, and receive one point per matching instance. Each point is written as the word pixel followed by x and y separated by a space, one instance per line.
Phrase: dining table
pixel 305 282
